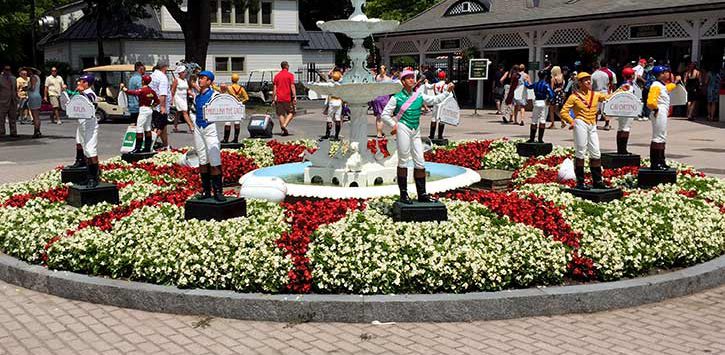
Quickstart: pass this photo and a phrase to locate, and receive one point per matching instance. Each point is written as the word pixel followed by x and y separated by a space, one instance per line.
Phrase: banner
pixel 449 112
pixel 224 108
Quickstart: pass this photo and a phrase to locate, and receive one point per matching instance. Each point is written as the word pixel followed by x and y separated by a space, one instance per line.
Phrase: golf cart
pixel 259 84
pixel 108 108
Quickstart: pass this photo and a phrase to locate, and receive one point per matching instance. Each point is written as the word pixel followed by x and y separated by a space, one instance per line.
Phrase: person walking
pixel 135 83
pixel 557 85
pixel 35 100
pixel 498 88
pixel 510 81
pixel 22 83
pixel 284 97
pixel 8 101
pixel 180 92
pixel 693 83
pixel 160 85
pixel 53 87
pixel 712 83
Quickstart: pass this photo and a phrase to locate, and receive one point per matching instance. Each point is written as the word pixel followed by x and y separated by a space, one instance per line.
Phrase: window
pixel 221 64
pixel 240 12
pixel 267 13
pixel 229 64
pixel 213 11
pixel 238 64
pixel 466 7
pixel 253 11
pixel 226 6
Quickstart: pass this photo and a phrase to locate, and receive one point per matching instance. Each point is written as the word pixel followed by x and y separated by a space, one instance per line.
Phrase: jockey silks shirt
pixel 411 116
pixel 199 102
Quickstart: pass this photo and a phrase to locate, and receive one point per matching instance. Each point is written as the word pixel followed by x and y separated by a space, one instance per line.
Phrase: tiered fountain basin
pixel 441 178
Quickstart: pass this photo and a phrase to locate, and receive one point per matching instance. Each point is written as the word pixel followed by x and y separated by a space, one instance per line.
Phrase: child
pixel 206 141
pixel 147 99
pixel 543 94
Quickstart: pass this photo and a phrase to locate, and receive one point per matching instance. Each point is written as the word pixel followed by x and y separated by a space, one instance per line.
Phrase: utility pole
pixel 32 33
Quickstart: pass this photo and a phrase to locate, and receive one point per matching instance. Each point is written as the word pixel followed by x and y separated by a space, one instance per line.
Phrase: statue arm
pixel 389 111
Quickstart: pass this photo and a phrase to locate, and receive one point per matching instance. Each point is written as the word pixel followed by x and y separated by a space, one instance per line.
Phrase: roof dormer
pixel 467 7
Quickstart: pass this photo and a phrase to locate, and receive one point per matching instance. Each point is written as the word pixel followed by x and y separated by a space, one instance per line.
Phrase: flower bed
pixel 535 235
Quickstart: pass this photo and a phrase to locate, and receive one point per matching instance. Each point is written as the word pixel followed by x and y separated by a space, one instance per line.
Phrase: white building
pixel 241 41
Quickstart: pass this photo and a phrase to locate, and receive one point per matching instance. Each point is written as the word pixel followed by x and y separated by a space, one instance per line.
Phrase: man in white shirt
pixel 160 85
pixel 53 87
pixel 639 70
pixel 603 81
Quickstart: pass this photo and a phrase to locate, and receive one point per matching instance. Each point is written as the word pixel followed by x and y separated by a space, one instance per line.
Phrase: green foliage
pixel 400 10
pixel 15 22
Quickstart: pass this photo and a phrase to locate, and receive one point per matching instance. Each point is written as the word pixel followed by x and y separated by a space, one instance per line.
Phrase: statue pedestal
pixel 597 195
pixel 616 161
pixel 231 145
pixel 419 212
pixel 136 157
pixel 441 142
pixel 650 178
pixel 494 180
pixel 80 195
pixel 75 175
pixel 210 209
pixel 533 149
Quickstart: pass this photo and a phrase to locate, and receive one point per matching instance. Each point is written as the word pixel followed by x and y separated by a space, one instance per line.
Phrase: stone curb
pixel 364 309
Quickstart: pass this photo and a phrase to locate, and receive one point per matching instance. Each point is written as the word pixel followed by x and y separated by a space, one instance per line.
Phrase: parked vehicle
pixel 259 84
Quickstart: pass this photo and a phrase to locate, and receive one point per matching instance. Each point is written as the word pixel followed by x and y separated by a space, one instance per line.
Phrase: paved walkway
pixel 35 323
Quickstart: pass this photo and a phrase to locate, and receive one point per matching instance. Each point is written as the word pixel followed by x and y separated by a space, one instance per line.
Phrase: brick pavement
pixel 36 323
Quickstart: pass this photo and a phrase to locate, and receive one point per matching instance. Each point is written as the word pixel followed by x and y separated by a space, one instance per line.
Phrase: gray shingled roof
pixel 515 13
pixel 150 28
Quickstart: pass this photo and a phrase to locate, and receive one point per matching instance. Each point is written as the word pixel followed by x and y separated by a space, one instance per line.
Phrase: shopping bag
pixel 129 139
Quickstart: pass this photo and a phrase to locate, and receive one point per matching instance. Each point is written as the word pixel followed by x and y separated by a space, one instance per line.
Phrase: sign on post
pixel 449 112
pixel 80 107
pixel 478 69
pixel 623 104
pixel 224 108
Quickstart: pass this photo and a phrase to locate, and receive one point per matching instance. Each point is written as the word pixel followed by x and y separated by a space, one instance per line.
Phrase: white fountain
pixel 355 171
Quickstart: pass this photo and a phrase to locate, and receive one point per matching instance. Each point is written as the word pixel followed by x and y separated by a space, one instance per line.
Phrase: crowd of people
pixel 510 88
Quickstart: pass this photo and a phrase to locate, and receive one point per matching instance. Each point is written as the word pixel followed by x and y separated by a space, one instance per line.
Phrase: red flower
pixel 469 155
pixel 285 153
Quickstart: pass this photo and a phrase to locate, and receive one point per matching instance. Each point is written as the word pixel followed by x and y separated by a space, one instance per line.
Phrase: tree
pixel 400 10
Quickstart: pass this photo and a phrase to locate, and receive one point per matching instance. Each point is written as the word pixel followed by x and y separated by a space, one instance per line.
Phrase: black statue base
pixel 441 142
pixel 136 157
pixel 420 212
pixel 211 209
pixel 534 149
pixel 597 195
pixel 74 175
pixel 494 180
pixel 650 178
pixel 231 145
pixel 80 195
pixel 616 161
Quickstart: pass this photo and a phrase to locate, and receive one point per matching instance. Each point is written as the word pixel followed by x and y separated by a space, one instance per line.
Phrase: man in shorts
pixel 53 87
pixel 160 85
pixel 284 97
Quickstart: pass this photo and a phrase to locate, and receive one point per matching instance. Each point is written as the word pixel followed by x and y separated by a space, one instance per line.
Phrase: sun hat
pixel 180 69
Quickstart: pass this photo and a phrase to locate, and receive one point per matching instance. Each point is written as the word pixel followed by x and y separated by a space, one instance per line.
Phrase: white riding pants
pixel 659 124
pixel 624 124
pixel 334 111
pixel 586 140
pixel 409 144
pixel 87 136
pixel 539 113
pixel 207 145
pixel 143 122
